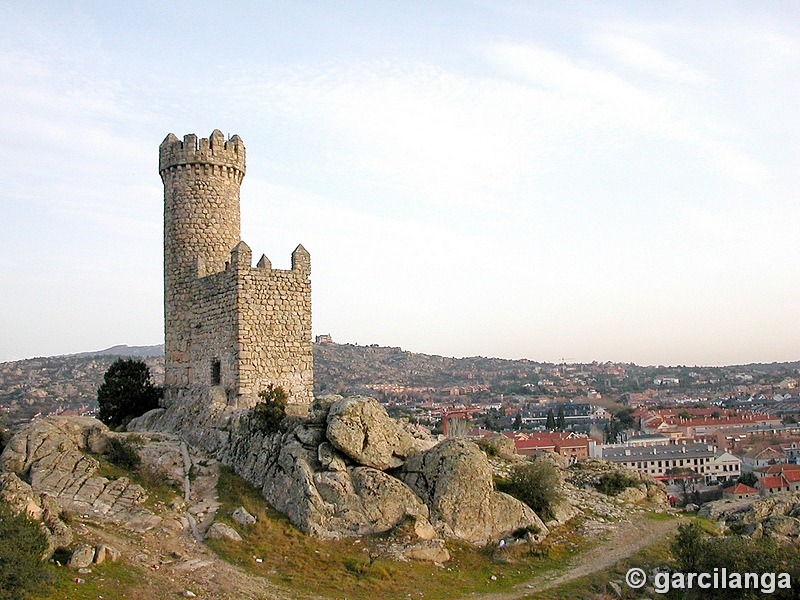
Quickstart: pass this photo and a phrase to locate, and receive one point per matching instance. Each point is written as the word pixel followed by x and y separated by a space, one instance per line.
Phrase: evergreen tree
pixel 550 425
pixel 561 419
pixel 127 392
pixel 518 421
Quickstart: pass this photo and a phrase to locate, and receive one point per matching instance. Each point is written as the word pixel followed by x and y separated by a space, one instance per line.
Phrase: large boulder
pixel 360 427
pixel 82 556
pixel 335 501
pixel 454 479
pixel 387 501
pixel 221 531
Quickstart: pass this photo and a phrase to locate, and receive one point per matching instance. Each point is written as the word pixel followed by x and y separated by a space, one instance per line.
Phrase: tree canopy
pixel 127 392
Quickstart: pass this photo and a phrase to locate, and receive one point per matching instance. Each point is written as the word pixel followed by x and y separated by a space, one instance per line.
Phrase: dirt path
pixel 628 539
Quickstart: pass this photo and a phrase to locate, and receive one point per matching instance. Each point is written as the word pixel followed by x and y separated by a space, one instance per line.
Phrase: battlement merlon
pixel 213 150
pixel 301 260
pixel 242 257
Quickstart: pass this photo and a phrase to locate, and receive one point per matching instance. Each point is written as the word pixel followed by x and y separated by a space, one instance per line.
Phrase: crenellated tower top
pixel 213 150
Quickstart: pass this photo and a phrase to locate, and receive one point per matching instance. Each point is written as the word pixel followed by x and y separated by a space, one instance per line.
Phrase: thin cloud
pixel 647 59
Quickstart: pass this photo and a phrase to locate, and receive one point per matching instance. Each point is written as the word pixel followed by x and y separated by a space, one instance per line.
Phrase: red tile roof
pixel 772 482
pixel 780 468
pixel 740 488
pixel 791 476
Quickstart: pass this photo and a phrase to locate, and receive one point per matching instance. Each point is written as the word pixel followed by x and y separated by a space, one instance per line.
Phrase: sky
pixel 550 180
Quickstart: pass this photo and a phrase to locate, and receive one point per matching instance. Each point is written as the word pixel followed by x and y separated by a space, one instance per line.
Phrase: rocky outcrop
pixel 20 497
pixel 643 488
pixel 332 502
pixel 455 480
pixel 51 456
pixel 202 417
pixel 45 438
pixel 348 469
pixel 777 517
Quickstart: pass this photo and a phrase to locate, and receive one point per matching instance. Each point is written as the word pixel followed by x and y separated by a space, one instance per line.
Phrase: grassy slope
pixel 342 569
pixel 307 567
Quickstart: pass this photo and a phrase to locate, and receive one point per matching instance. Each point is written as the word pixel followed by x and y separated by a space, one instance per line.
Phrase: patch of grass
pixel 659 516
pixel 109 580
pixel 342 569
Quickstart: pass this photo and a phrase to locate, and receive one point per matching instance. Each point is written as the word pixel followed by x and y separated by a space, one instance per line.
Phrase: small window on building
pixel 216 372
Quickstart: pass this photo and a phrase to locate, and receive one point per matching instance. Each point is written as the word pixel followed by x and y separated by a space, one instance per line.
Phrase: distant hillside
pixel 122 350
pixel 351 368
pixel 65 384
pixel 69 383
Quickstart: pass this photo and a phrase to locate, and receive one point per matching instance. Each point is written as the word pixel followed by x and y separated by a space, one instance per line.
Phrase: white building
pixel 658 460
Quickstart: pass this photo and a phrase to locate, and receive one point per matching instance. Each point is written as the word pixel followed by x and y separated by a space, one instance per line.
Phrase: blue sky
pixel 519 179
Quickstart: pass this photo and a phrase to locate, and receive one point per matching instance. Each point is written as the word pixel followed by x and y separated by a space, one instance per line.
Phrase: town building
pixel 740 491
pixel 664 462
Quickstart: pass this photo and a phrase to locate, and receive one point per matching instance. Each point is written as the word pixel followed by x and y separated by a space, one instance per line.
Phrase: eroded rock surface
pixel 51 457
pixel 777 516
pixel 361 429
pixel 454 479
pixel 348 469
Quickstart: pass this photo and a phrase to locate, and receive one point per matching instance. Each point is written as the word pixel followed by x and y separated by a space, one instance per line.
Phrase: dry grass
pixel 344 569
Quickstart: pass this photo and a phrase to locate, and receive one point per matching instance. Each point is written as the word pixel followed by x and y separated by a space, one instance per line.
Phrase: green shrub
pixel 614 482
pixel 696 552
pixel 122 453
pixel 127 392
pixel 488 448
pixel 267 415
pixel 537 484
pixel 22 544
pixel 688 546
pixel 748 479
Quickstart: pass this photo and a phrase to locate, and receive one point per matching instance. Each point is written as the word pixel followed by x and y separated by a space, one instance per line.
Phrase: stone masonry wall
pixel 201 226
pixel 274 308
pixel 248 327
pixel 214 329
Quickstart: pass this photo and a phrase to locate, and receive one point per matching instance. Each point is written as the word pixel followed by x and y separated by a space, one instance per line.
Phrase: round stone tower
pixel 201 227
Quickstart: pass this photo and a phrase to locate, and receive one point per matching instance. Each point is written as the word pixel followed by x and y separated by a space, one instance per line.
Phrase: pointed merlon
pixel 241 255
pixel 217 140
pixel 301 259
pixel 264 263
pixel 170 139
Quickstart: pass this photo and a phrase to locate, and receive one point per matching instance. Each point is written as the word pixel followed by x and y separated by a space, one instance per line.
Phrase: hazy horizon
pixel 612 182
pixel 365 345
